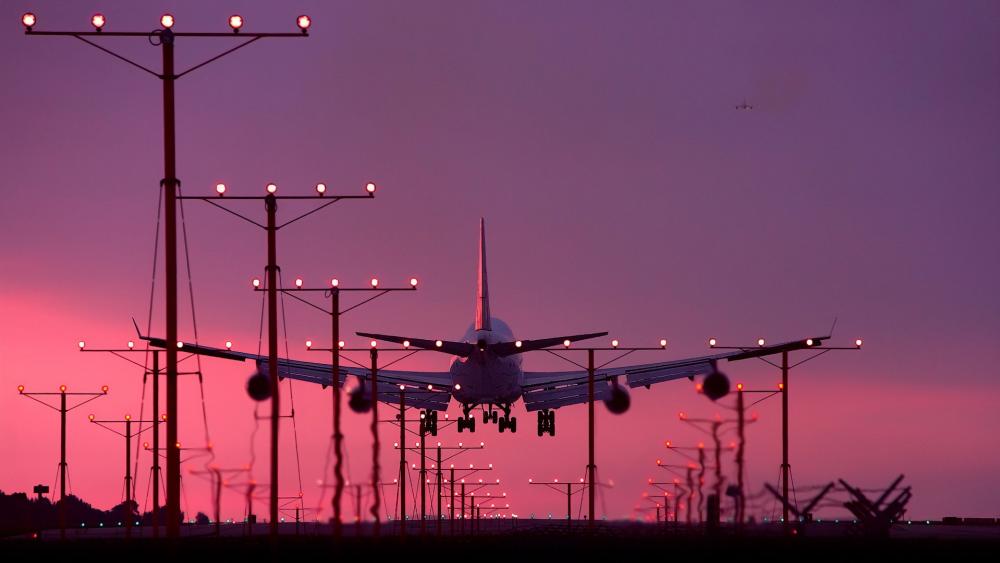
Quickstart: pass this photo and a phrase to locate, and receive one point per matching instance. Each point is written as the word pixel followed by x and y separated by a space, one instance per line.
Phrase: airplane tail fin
pixel 482 289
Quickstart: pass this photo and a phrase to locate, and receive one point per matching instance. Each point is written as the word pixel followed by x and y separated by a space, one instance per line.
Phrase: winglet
pixel 137 331
pixel 482 289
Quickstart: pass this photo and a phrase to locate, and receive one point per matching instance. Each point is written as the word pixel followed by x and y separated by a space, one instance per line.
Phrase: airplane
pixel 744 105
pixel 486 371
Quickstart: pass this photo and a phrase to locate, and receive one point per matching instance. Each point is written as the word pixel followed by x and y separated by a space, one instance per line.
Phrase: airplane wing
pixel 426 390
pixel 550 390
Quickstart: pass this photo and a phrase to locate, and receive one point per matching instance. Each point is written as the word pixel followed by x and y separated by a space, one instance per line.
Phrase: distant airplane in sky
pixel 744 105
pixel 486 371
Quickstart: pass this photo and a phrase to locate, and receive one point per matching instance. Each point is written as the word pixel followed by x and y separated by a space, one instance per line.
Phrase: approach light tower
pixel 165 38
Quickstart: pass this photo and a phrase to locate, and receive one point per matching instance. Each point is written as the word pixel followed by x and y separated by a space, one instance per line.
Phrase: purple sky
pixel 622 192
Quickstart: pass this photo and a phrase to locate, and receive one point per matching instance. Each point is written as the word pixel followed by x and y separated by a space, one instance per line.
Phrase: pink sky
pixel 622 192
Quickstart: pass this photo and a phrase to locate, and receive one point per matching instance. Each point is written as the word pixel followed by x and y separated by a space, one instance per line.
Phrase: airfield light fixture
pixel 518 344
pixel 370 188
pixel 167 21
pixel 334 282
pixel 62 388
pixel 271 188
pixel 321 189
pixel 614 343
pixel 229 345
pixel 760 342
pixel 256 282
pixel 406 344
pixel 81 344
pixel 663 343
pixel 438 343
pixel 566 343
pixel 298 283
pixel 130 344
pixel 858 342
pixel 413 282
pixel 712 342
pixel 309 344
pixel 98 21
pixel 374 282
pixel 236 22
pixel 28 20
pixel 374 343
pixel 303 22
pixel 220 189
pixel 20 388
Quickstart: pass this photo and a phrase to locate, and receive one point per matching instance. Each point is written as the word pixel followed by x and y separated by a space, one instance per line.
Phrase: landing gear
pixel 547 422
pixel 507 423
pixel 467 421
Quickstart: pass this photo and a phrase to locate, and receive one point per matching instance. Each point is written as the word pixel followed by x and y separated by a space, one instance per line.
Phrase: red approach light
pixel 739 386
pixel 236 22
pixel 28 20
pixel 62 388
pixel 104 389
pixel 98 21
pixel 20 388
pixel 303 22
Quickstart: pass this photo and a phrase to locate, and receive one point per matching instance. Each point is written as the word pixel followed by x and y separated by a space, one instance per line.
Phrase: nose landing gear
pixel 546 422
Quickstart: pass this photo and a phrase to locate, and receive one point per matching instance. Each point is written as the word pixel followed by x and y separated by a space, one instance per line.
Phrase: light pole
pixel 165 38
pixel 760 351
pixel 271 227
pixel 62 409
pixel 299 293
pixel 591 368
pixel 123 353
pixel 128 435
pixel 568 488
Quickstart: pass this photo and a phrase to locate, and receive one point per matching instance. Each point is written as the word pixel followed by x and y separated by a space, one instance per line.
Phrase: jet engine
pixel 619 400
pixel 359 399
pixel 259 386
pixel 715 385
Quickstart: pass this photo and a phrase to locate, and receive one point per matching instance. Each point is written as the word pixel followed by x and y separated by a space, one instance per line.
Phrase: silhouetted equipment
pixel 875 518
pixel 806 513
pixel 619 400
pixel 359 401
pixel 259 386
pixel 41 490
pixel 716 385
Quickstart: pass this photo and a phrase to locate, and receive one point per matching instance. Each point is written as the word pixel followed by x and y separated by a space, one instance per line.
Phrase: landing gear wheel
pixel 552 423
pixel 512 424
pixel 495 416
pixel 461 424
pixel 502 424
pixel 471 424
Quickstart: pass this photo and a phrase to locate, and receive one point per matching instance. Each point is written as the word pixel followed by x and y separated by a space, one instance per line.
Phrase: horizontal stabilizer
pixel 504 349
pixel 462 349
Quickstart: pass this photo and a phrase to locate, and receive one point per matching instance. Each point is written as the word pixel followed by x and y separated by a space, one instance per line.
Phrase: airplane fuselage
pixel 483 377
